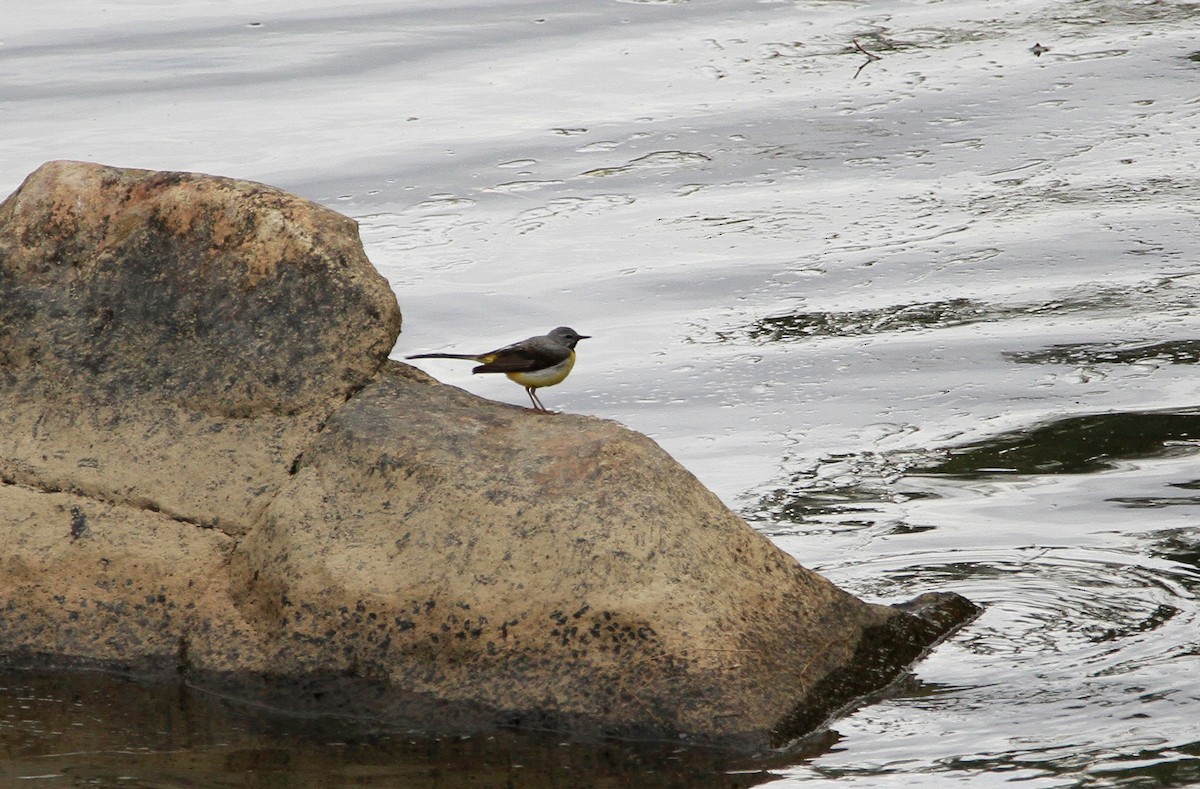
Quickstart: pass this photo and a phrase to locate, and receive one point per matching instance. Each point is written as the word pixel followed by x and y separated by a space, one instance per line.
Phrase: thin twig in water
pixel 859 47
pixel 871 57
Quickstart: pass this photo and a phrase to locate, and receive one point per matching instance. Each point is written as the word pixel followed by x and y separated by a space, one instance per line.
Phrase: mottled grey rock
pixel 179 352
pixel 173 340
pixel 556 571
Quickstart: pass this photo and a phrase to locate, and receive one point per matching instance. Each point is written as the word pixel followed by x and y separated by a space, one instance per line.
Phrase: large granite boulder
pixel 179 352
pixel 173 341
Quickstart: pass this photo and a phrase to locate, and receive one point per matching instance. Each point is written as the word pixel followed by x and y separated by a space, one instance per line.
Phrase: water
pixel 928 321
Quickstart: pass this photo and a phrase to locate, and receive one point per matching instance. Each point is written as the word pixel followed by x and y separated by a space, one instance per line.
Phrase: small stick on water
pixel 871 57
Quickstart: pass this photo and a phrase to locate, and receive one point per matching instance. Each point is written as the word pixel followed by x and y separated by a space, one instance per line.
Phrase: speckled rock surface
pixel 86 583
pixel 209 469
pixel 173 340
pixel 558 571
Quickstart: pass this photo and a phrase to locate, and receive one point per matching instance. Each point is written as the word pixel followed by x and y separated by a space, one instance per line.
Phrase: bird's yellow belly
pixel 545 377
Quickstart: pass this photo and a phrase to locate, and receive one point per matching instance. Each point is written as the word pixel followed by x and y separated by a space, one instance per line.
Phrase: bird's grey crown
pixel 567 335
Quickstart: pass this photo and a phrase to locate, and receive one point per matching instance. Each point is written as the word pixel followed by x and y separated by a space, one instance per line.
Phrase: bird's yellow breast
pixel 548 376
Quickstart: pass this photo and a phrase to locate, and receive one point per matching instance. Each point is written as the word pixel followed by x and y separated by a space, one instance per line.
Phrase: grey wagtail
pixel 533 363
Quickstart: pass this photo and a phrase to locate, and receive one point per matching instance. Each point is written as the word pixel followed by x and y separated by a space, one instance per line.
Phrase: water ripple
pixel 658 160
pixel 1081 654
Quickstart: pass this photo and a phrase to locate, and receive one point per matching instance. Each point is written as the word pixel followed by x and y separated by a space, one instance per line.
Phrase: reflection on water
pixel 953 312
pixel 1076 445
pixel 167 736
pixel 1170 352
pixel 1081 670
pixel 1162 294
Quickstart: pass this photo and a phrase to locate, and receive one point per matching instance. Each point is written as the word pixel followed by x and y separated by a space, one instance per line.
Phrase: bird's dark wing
pixel 536 353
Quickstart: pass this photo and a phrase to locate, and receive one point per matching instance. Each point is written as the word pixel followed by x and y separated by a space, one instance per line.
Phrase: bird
pixel 535 362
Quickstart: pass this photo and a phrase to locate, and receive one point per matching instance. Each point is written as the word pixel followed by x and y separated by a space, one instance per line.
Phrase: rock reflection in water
pixel 165 735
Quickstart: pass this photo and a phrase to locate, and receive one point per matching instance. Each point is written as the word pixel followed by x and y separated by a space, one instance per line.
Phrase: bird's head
pixel 568 336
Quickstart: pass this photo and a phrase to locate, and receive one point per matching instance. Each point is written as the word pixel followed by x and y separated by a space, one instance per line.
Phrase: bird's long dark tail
pixel 467 356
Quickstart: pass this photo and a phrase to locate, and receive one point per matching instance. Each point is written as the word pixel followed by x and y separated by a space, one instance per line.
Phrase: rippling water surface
pixel 911 285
